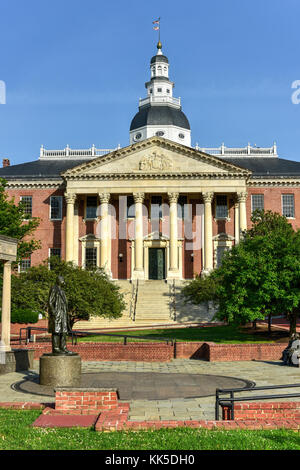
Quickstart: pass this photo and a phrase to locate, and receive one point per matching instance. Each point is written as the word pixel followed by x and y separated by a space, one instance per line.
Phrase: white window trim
pixel 85 211
pixel 257 194
pixel 227 218
pixel 19 266
pixel 288 194
pixel 49 253
pixel 60 198
pixel 28 195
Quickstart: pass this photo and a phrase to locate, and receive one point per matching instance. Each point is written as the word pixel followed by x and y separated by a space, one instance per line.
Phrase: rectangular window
pixel 156 207
pixel 221 207
pixel 25 264
pixel 159 90
pixel 56 207
pixel 288 205
pixel 182 201
pixel 91 207
pixel 130 207
pixel 257 202
pixel 55 252
pixel 220 253
pixel 27 204
pixel 90 257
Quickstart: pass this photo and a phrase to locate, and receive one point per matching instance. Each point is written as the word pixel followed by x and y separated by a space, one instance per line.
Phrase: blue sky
pixel 74 71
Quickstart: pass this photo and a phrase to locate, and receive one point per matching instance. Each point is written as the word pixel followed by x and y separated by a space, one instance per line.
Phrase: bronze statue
pixel 58 318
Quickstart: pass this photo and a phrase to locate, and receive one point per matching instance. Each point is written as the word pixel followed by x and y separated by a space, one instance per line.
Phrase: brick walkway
pixel 261 372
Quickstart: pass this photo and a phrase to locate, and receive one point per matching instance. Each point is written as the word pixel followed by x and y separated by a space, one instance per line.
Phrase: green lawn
pixel 16 433
pixel 216 334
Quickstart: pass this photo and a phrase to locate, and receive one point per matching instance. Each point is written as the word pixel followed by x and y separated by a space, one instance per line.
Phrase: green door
pixel 156 263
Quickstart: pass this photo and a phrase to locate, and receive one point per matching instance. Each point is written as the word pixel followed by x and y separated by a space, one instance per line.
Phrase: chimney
pixel 5 162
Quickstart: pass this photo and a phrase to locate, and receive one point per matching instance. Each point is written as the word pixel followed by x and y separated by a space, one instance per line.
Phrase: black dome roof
pixel 159 116
pixel 159 58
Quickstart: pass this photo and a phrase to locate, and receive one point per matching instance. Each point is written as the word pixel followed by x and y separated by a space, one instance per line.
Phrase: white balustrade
pixel 160 99
pixel 73 154
pixel 247 151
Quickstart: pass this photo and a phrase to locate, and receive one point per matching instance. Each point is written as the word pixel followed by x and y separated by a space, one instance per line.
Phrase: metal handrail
pixel 77 333
pixel 229 401
pixel 172 301
pixel 133 300
pixel 28 332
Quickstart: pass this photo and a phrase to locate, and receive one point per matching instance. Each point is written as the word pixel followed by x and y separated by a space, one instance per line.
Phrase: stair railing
pixel 172 302
pixel 133 299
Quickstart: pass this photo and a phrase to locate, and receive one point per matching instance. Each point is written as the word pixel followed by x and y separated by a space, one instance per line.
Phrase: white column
pixel 104 232
pixel 208 245
pixel 76 234
pixel 242 198
pixel 6 302
pixel 70 200
pixel 138 272
pixel 236 222
pixel 174 269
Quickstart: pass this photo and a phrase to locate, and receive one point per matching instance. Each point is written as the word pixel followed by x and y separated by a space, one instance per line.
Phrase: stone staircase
pixel 103 323
pixel 154 306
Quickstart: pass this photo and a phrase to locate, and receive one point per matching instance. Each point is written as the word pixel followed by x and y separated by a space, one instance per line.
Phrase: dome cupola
pixel 160 113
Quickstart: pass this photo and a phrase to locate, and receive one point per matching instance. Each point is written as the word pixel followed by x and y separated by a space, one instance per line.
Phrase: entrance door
pixel 156 263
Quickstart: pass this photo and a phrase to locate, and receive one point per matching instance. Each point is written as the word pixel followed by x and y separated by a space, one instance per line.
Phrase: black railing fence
pixel 77 333
pixel 230 400
pixel 74 334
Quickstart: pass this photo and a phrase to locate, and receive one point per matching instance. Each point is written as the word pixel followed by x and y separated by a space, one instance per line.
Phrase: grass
pixel 216 334
pixel 16 433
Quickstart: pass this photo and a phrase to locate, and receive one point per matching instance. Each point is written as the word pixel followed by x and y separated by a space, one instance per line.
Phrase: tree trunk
pixel 293 323
pixel 269 323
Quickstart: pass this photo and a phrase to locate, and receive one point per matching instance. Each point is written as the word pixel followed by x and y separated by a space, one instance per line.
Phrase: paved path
pixel 261 372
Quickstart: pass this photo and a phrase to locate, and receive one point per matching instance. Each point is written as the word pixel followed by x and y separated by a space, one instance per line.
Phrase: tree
pixel 14 222
pixel 200 289
pixel 260 276
pixel 89 292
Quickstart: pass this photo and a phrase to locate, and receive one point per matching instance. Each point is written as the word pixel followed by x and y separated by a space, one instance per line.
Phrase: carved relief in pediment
pixel 155 162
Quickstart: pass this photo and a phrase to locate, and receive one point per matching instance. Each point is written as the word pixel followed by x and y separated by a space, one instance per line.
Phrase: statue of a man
pixel 58 317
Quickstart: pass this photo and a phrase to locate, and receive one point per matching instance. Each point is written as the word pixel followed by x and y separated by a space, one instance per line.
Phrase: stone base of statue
pixel 16 360
pixel 7 362
pixel 62 370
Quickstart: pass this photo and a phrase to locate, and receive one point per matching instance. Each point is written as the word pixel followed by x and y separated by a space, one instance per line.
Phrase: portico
pixel 154 170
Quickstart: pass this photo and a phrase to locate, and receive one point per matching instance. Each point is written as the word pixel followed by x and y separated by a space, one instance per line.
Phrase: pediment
pixel 90 237
pixel 155 156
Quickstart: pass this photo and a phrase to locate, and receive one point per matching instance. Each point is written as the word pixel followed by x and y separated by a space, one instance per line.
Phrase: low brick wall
pixel 145 352
pixel 263 411
pixel 245 352
pixel 192 350
pixel 162 352
pixel 85 400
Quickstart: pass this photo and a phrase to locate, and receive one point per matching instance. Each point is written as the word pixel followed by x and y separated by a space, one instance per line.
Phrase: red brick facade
pixel 52 233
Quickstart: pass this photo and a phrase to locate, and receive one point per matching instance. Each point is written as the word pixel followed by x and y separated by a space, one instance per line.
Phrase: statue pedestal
pixel 16 360
pixel 60 371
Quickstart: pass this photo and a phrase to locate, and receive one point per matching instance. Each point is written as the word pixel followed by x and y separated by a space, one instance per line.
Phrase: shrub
pixel 24 315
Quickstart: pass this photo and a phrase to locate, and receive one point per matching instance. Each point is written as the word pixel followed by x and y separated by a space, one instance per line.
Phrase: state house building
pixel 158 208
